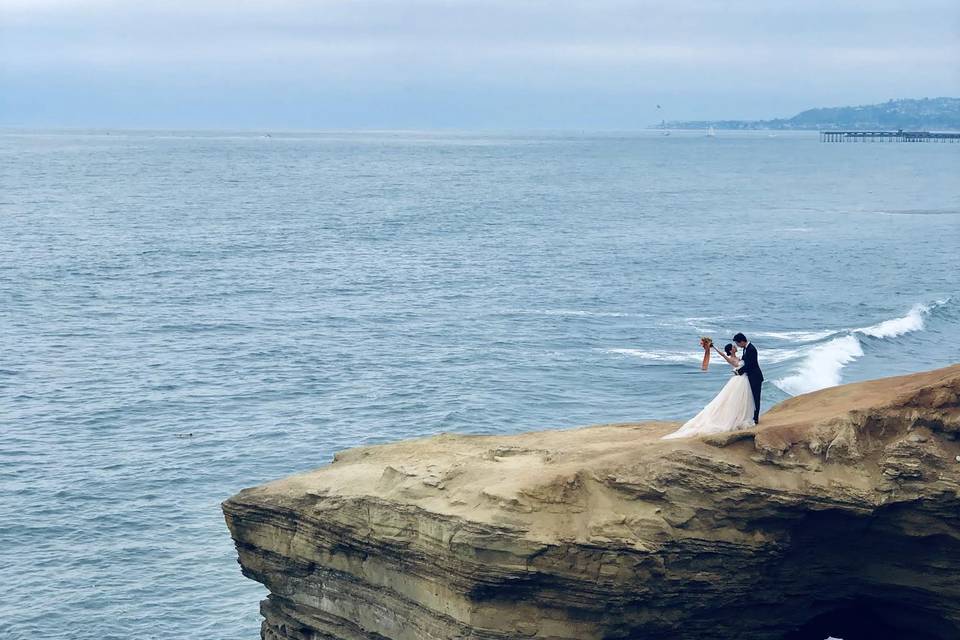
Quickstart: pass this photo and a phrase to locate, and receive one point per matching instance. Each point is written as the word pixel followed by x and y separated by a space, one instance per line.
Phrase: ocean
pixel 185 314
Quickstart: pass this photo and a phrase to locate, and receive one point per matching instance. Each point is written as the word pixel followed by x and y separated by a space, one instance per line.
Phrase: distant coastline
pixel 928 114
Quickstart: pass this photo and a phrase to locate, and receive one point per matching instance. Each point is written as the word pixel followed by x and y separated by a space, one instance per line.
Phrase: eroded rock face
pixel 843 505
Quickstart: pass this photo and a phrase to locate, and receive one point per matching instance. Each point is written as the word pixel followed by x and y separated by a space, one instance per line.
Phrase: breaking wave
pixel 823 364
pixel 913 321
pixel 820 355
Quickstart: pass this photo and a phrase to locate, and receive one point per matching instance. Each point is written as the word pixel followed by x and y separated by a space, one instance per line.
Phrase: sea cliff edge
pixel 841 509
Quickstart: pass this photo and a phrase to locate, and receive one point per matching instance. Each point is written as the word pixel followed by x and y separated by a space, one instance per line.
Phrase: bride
pixel 731 410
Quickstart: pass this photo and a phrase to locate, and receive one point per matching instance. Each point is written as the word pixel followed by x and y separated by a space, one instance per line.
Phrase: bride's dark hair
pixel 727 349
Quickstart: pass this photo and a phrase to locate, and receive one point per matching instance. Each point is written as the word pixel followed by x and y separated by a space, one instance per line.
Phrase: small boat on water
pixel 711 133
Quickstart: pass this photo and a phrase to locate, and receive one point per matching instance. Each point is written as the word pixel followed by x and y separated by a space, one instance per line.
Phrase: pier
pixel 888 136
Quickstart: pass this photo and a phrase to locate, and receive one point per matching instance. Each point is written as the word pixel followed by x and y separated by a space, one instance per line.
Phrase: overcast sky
pixel 600 64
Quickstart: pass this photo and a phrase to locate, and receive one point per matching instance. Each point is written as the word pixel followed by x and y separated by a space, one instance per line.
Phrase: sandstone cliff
pixel 841 510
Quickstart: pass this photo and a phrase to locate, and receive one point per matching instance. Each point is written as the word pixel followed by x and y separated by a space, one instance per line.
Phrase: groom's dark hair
pixel 727 349
pixel 739 338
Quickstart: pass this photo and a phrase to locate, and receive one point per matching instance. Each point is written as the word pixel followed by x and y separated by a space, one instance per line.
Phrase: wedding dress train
pixel 730 410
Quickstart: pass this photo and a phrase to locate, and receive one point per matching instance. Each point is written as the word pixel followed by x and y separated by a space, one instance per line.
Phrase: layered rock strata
pixel 840 513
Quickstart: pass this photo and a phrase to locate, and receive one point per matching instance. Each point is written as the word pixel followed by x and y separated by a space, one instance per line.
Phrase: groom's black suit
pixel 754 375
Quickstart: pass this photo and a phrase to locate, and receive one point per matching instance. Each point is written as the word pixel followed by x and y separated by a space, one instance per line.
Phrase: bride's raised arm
pixel 733 362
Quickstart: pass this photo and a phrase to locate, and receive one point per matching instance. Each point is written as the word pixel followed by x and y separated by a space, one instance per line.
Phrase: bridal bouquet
pixel 706 342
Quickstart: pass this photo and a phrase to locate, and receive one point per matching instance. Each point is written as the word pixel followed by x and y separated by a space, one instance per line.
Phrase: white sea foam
pixel 774 356
pixel 703 324
pixel 913 321
pixel 822 366
pixel 659 356
pixel 795 336
pixel 824 363
pixel 821 354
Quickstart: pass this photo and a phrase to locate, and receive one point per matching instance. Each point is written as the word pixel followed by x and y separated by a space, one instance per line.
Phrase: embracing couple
pixel 737 406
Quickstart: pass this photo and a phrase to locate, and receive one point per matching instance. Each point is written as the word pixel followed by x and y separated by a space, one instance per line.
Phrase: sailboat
pixel 663 125
pixel 711 133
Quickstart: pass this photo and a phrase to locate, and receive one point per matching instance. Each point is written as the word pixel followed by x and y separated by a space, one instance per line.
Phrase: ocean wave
pixel 658 356
pixel 768 355
pixel 796 336
pixel 714 319
pixel 919 212
pixel 913 321
pixel 704 324
pixel 775 356
pixel 822 366
pixel 821 355
pixel 579 313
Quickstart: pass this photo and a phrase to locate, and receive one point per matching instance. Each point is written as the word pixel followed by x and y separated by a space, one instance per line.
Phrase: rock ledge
pixel 840 514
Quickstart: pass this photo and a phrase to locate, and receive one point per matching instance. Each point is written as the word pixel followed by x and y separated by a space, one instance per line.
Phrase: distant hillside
pixel 927 114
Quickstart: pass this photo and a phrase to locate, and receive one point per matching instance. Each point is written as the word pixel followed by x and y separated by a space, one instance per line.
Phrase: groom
pixel 752 369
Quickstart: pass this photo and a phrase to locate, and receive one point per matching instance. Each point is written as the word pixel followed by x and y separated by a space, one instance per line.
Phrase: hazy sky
pixel 462 63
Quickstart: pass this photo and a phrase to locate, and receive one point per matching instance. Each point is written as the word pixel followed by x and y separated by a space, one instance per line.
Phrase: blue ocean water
pixel 280 298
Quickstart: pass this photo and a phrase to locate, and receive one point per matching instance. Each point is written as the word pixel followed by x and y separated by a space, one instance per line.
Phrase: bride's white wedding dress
pixel 731 410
